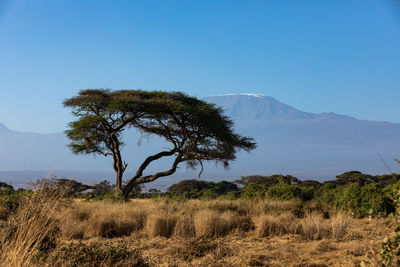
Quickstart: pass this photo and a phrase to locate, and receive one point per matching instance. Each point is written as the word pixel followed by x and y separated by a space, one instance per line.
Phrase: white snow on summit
pixel 248 94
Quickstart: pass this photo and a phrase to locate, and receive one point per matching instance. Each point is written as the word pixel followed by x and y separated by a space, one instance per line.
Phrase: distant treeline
pixel 363 194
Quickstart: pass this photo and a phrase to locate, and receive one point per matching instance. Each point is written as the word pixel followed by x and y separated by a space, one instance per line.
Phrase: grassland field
pixel 49 231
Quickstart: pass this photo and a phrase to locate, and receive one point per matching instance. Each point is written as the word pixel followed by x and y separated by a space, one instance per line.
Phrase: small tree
pixel 196 131
pixel 63 186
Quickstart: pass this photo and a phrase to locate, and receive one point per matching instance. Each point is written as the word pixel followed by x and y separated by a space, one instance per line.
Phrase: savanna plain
pixel 44 229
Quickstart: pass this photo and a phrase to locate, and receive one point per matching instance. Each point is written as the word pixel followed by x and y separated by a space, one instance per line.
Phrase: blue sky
pixel 340 56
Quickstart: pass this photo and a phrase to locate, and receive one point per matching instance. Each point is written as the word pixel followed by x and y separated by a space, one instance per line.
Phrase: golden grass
pixel 32 229
pixel 162 224
pixel 210 223
pixel 269 225
pixel 313 227
pixel 339 224
pixel 3 214
pixel 185 233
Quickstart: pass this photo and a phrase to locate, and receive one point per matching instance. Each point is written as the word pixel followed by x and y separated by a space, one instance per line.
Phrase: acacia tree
pixel 196 131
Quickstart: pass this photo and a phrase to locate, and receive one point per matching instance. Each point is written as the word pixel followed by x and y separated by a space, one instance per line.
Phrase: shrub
pixel 289 192
pixel 231 195
pixel 253 190
pixel 390 253
pixel 12 201
pixel 208 194
pixel 364 200
pixel 188 186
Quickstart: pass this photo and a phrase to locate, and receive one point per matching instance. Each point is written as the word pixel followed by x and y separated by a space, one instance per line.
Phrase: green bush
pixel 327 193
pixel 284 192
pixel 253 190
pixel 11 201
pixel 189 189
pixel 109 196
pixel 208 194
pixel 363 200
pixel 289 192
pixel 231 195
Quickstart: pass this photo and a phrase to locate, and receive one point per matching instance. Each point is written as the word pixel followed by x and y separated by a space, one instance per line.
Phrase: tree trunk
pixel 119 167
pixel 128 189
pixel 118 185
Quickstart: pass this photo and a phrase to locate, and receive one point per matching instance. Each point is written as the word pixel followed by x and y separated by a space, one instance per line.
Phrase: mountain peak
pixel 252 108
pixel 242 94
pixel 3 127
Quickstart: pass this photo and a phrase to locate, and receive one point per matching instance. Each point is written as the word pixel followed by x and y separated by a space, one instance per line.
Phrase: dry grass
pixel 339 224
pixel 3 214
pixel 32 229
pixel 269 225
pixel 161 225
pixel 190 233
pixel 88 220
pixel 313 227
pixel 210 223
pixel 185 226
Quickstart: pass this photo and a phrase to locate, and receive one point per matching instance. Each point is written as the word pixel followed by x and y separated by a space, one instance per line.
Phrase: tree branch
pixel 149 159
pixel 137 179
pixel 125 122
pixel 150 178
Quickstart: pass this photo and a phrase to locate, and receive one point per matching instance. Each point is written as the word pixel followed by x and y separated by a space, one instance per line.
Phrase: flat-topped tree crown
pixel 196 130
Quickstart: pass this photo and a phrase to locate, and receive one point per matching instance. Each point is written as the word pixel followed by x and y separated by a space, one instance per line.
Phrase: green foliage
pixel 102 188
pixel 5 186
pixel 254 190
pixel 356 177
pixel 201 189
pixel 268 180
pixel 208 194
pixel 188 186
pixel 390 253
pixel 109 196
pixel 289 192
pixel 233 195
pixel 311 183
pixel 363 200
pixel 11 201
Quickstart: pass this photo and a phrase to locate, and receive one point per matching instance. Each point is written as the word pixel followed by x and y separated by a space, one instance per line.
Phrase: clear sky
pixel 339 56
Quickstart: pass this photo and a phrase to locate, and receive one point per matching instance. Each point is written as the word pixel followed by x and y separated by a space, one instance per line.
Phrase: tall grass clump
pixel 101 219
pixel 339 225
pixel 32 229
pixel 161 225
pixel 269 225
pixel 209 223
pixel 313 227
pixel 185 226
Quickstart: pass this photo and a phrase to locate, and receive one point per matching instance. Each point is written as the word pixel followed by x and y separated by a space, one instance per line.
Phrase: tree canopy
pixel 268 180
pixel 197 131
